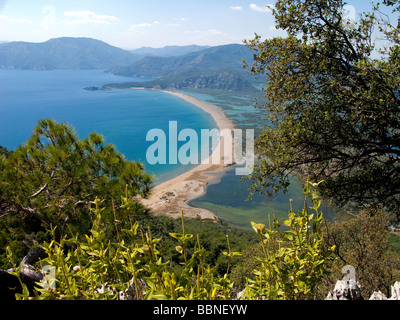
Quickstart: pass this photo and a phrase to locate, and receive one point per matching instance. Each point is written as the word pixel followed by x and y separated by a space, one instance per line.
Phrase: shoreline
pixel 169 198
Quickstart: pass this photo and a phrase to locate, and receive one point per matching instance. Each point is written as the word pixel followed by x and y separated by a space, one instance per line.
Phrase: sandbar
pixel 171 197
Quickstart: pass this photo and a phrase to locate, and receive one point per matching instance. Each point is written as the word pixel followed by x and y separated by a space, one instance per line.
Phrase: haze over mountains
pixel 63 53
pixel 168 51
pixel 173 67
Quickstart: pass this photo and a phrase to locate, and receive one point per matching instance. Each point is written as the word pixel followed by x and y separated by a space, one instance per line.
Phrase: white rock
pixel 395 291
pixel 345 290
pixel 378 296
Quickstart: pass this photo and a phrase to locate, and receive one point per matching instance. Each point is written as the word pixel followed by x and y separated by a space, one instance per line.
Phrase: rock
pixel 130 292
pixel 378 296
pixel 345 290
pixel 240 294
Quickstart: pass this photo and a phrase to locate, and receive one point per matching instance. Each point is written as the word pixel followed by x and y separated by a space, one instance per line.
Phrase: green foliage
pixel 4 151
pixel 49 181
pixel 333 102
pixel 100 270
pixel 295 261
pixel 133 266
pixel 363 242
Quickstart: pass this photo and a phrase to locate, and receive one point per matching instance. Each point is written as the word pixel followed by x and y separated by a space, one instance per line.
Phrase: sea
pixel 125 116
pixel 122 116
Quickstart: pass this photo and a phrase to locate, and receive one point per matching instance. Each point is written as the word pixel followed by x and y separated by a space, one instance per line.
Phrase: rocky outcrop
pixel 345 290
pixel 350 290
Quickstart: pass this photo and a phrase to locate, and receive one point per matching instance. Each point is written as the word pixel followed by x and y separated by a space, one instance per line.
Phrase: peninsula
pixel 170 197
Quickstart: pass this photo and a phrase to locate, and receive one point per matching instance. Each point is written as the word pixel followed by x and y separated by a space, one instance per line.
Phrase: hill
pixel 219 80
pixel 174 67
pixel 219 67
pixel 168 51
pixel 226 57
pixel 63 53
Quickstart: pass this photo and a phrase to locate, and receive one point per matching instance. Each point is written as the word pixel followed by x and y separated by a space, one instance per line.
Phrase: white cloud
pixel 175 25
pixel 141 26
pixel 88 17
pixel 211 32
pixel 237 8
pixel 13 20
pixel 267 8
pixel 208 37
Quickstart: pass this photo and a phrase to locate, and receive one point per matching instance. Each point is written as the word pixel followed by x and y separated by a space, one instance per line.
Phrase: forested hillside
pixel 63 53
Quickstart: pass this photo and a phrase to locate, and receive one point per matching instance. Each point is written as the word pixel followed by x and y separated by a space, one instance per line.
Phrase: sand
pixel 170 197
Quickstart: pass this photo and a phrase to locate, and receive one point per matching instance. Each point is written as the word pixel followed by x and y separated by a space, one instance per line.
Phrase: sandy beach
pixel 170 197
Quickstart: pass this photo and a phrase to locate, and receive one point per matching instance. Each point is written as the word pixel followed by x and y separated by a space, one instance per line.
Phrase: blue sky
pixel 132 24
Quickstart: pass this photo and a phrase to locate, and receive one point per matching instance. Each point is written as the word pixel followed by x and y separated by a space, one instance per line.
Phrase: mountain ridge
pixel 219 67
pixel 63 53
pixel 224 57
pixel 168 51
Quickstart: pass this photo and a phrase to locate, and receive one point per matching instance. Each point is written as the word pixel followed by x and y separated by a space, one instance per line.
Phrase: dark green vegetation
pixel 49 182
pixel 63 53
pixel 133 264
pixel 47 188
pixel 219 80
pixel 46 209
pixel 364 243
pixel 333 103
pixel 333 115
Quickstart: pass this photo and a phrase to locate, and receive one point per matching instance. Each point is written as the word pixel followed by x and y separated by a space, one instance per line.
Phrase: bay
pixel 123 117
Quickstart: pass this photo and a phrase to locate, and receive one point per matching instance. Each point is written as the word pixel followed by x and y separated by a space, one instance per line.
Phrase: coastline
pixel 170 197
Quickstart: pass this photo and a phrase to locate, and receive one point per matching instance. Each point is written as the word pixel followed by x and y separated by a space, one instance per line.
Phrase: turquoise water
pixel 228 195
pixel 229 199
pixel 123 117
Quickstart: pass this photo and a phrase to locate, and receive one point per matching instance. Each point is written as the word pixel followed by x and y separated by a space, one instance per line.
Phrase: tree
pixel 363 243
pixel 296 260
pixel 50 181
pixel 333 101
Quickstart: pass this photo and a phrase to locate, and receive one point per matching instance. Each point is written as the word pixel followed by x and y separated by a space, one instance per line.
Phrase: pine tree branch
pixel 39 191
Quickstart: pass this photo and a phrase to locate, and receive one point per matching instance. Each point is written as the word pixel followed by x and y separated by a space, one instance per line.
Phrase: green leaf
pixel 289 235
pixel 177 236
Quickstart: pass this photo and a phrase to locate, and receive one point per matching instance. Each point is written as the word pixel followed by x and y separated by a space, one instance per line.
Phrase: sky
pixel 132 24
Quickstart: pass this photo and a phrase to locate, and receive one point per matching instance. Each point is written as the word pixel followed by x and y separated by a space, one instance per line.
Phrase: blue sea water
pixel 123 117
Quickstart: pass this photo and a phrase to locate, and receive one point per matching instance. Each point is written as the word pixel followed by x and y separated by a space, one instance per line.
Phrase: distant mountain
pixel 219 67
pixel 226 57
pixel 63 53
pixel 168 51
